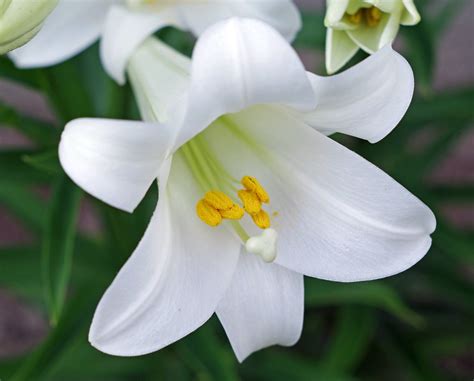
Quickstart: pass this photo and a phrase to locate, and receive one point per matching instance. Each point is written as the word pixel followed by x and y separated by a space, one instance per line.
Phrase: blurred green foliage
pixel 402 328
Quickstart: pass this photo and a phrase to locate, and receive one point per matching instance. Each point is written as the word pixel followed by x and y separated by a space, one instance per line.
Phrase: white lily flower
pixel 123 25
pixel 20 20
pixel 366 24
pixel 312 207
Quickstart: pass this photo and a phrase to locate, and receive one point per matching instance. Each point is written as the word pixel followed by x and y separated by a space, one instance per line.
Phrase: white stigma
pixel 263 245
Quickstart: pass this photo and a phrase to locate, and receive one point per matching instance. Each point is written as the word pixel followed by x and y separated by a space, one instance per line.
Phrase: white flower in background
pixel 253 194
pixel 123 25
pixel 365 24
pixel 20 20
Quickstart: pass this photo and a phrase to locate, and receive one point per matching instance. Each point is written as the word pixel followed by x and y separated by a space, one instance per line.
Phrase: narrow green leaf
pixel 205 355
pixel 58 244
pixel 14 169
pixel 21 201
pixel 354 329
pixel 373 294
pixel 47 161
pixel 38 131
pixel 313 34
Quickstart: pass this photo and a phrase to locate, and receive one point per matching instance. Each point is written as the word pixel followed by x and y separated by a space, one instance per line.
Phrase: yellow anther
pixel 250 200
pixel 356 18
pixel 373 16
pixel 218 200
pixel 261 219
pixel 251 184
pixel 208 213
pixel 234 213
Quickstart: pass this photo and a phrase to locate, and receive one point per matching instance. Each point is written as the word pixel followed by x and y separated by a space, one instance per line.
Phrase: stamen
pixel 208 214
pixel 251 201
pixel 252 185
pixel 261 219
pixel 234 213
pixel 218 200
pixel 356 18
pixel 373 16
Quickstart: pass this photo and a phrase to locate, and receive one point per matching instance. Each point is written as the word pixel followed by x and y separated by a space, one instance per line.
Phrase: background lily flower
pixel 364 24
pixel 123 24
pixel 20 20
pixel 251 110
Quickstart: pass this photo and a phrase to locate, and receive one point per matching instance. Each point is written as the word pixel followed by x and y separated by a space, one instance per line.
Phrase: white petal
pixel 410 15
pixel 339 49
pixel 372 39
pixel 124 31
pixel 238 63
pixel 282 15
pixel 366 101
pixel 174 280
pixel 338 217
pixel 160 78
pixel 335 11
pixel 115 161
pixel 69 29
pixel 264 306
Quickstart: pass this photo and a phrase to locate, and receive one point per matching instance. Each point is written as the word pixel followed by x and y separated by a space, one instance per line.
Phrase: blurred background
pixel 414 326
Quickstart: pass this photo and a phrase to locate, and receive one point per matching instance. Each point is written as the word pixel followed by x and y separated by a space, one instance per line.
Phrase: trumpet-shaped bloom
pixel 20 20
pixel 123 25
pixel 364 24
pixel 253 194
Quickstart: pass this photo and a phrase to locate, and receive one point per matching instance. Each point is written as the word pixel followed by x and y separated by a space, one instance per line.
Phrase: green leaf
pixel 373 294
pixel 23 203
pixel 58 244
pixel 74 322
pixel 9 71
pixel 19 271
pixel 47 161
pixel 313 33
pixel 205 355
pixel 38 131
pixel 14 169
pixel 279 366
pixel 354 329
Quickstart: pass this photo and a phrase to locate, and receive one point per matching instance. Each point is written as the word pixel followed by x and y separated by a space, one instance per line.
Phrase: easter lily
pixel 122 25
pixel 20 20
pixel 364 24
pixel 253 194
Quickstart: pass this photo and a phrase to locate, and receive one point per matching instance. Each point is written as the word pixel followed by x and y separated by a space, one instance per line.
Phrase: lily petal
pixel 238 63
pixel 173 281
pixel 115 161
pixel 335 11
pixel 367 100
pixel 339 49
pixel 160 78
pixel 69 29
pixel 124 31
pixel 410 15
pixel 264 306
pixel 338 216
pixel 372 39
pixel 283 15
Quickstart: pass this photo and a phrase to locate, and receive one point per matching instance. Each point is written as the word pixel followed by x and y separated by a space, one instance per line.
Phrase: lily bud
pixel 20 20
pixel 364 24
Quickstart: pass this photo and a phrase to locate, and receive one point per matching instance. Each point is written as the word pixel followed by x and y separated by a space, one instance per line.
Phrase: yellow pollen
pixel 234 213
pixel 252 185
pixel 261 219
pixel 208 213
pixel 356 17
pixel 373 16
pixel 250 200
pixel 219 200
